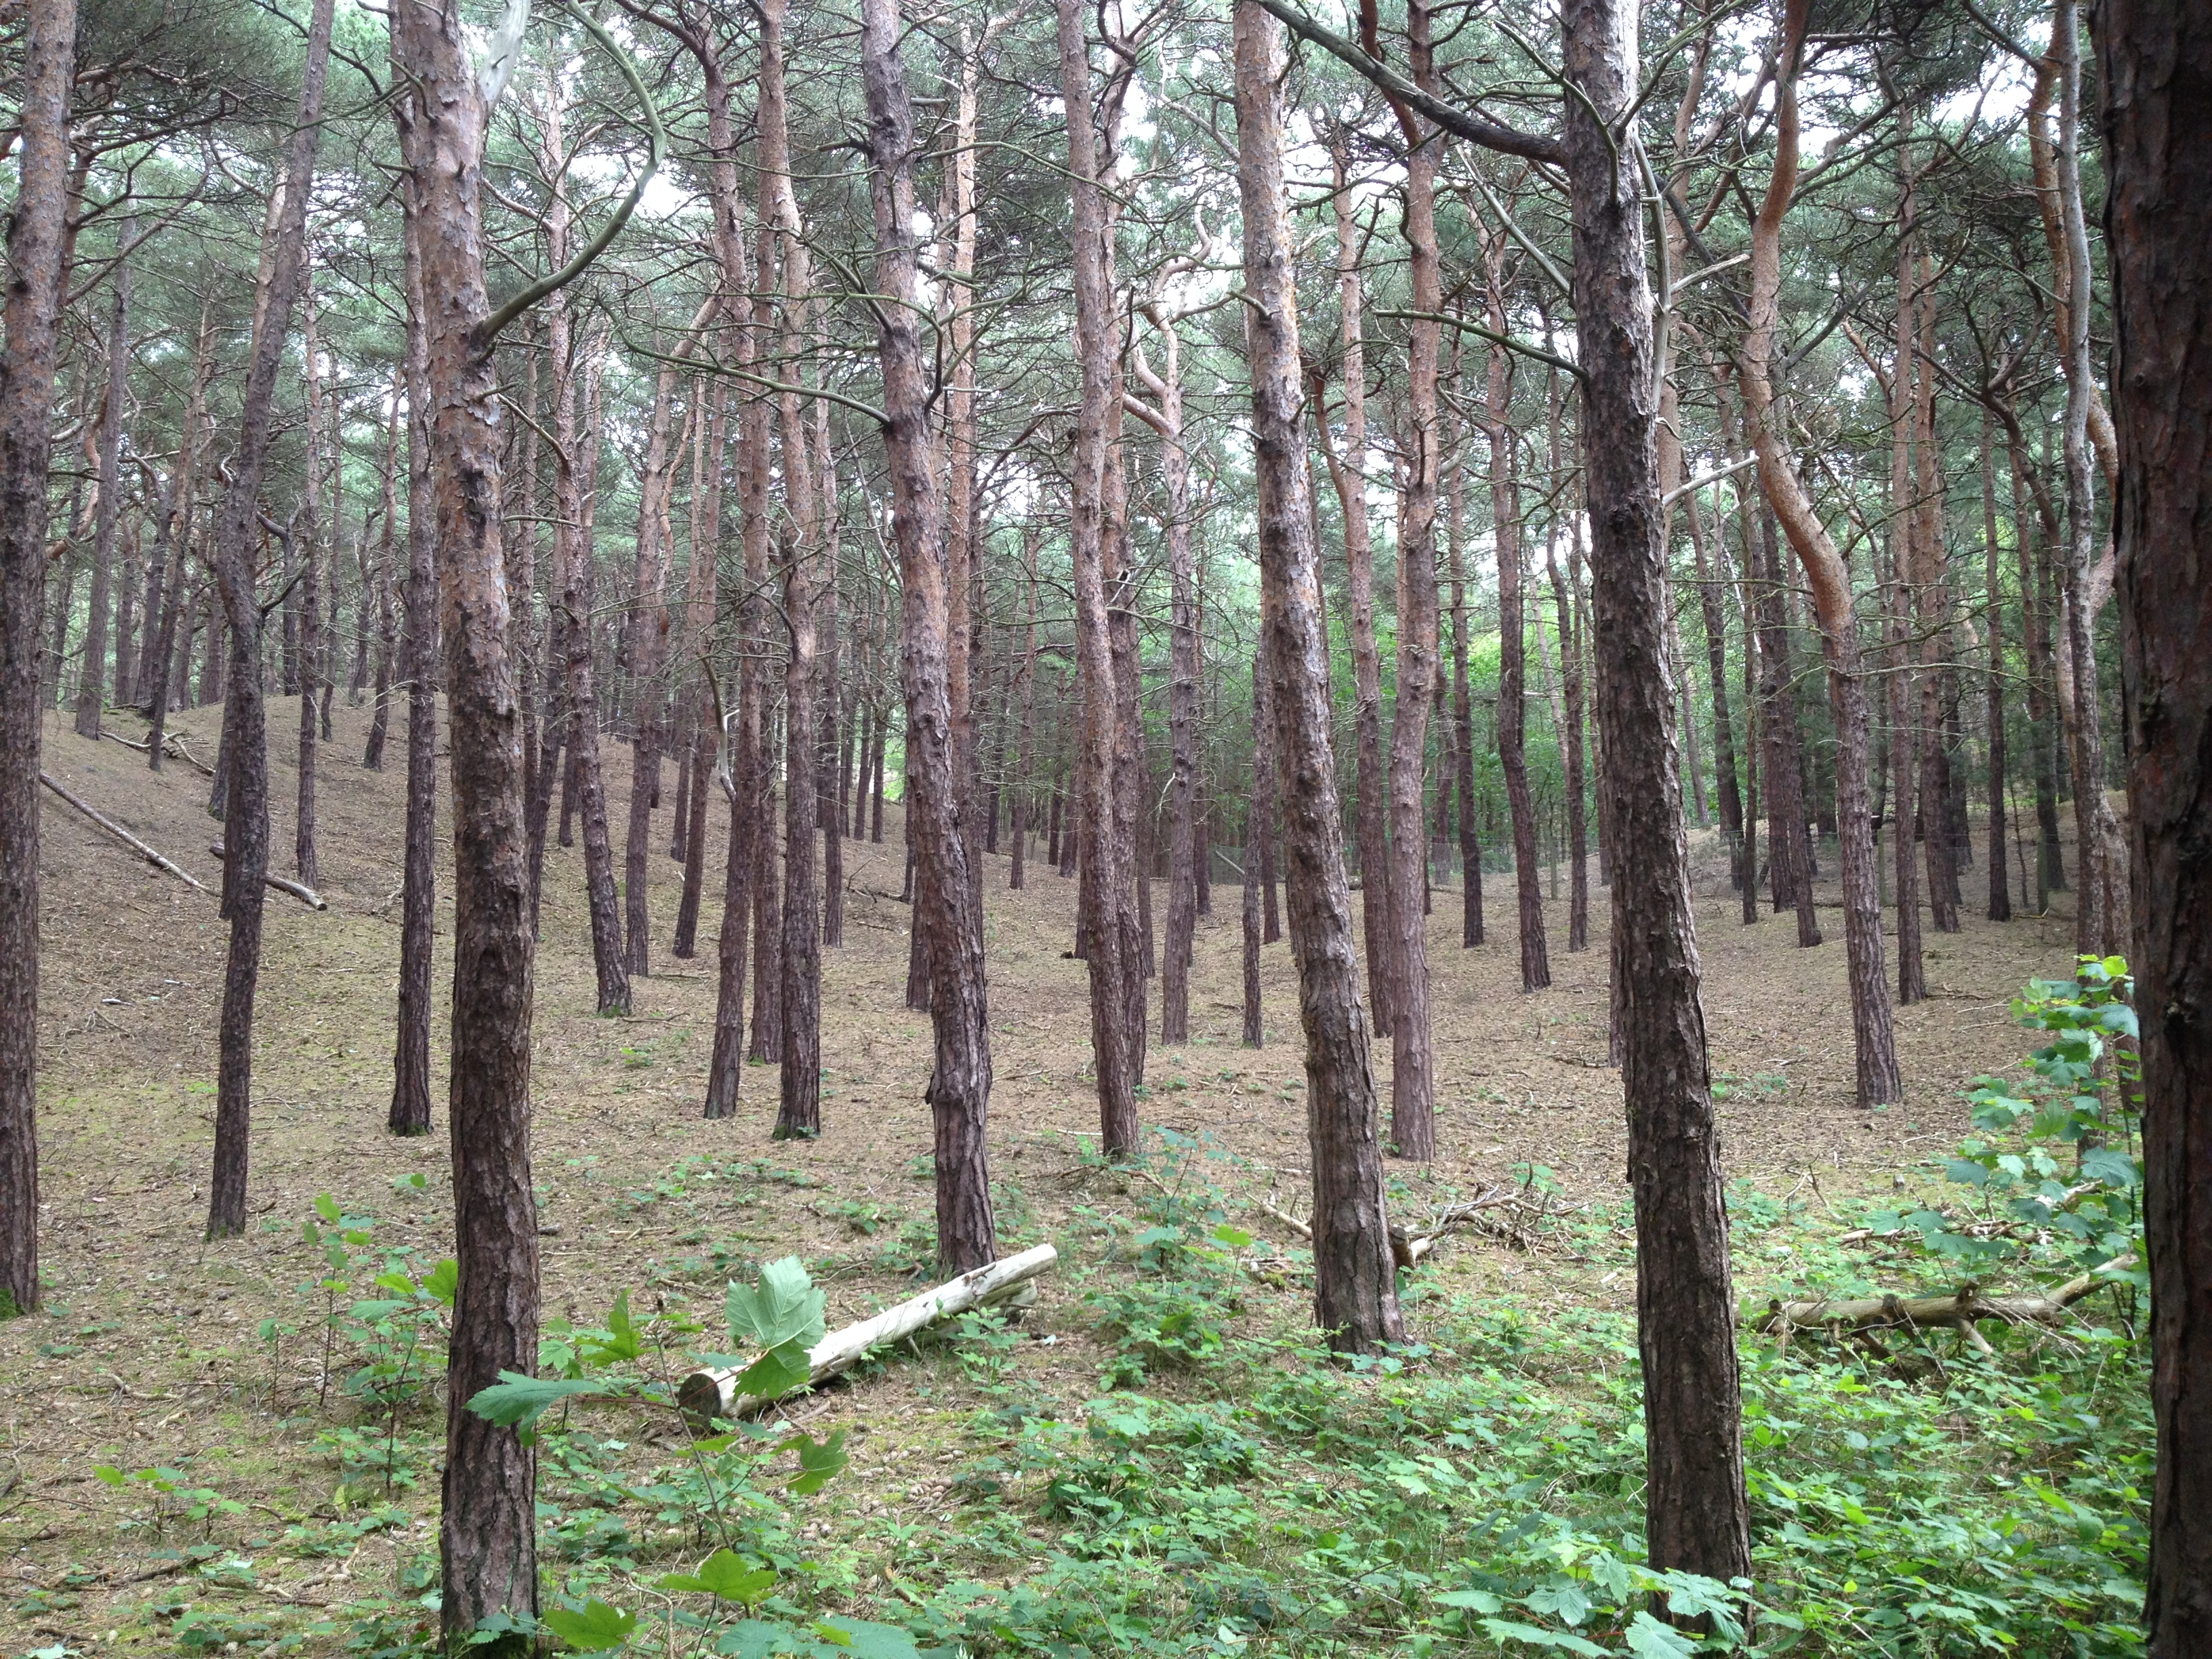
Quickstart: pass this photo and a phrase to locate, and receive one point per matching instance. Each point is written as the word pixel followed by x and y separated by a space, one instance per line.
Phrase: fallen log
pixel 120 834
pixel 1959 1311
pixel 707 1394
pixel 172 745
pixel 299 891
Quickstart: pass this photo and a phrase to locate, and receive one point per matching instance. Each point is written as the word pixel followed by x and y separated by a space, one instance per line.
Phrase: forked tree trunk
pixel 944 904
pixel 411 1067
pixel 1355 1289
pixel 1114 945
pixel 487 1525
pixel 1872 1037
pixel 38 265
pixel 2156 64
pixel 1695 1517
pixel 246 814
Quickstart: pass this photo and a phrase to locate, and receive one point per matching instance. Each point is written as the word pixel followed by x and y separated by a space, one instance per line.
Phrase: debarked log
pixel 706 1394
pixel 1960 1310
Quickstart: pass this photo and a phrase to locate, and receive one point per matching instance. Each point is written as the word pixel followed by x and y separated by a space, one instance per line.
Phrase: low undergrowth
pixel 1174 1466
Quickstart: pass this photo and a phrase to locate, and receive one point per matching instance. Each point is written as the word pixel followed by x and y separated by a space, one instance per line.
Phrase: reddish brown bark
pixel 1114 941
pixel 575 495
pixel 92 673
pixel 37 262
pixel 487 1527
pixel 646 650
pixel 944 901
pixel 1355 1291
pixel 410 1113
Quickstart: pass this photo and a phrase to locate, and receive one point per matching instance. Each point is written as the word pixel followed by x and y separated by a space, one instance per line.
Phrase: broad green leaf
pixel 785 1306
pixel 2113 1167
pixel 775 1373
pixel 1650 1640
pixel 864 1640
pixel 516 1401
pixel 817 1460
pixel 1563 1601
pixel 597 1629
pixel 327 1207
pixel 725 1576
pixel 445 1281
pixel 1471 1600
pixel 108 1474
pixel 1505 1630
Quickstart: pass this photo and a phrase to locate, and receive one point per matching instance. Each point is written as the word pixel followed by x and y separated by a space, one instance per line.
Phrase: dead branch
pixel 119 832
pixel 1959 1311
pixel 307 895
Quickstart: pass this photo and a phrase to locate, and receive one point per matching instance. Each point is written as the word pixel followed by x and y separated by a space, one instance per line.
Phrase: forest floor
pixel 157 1351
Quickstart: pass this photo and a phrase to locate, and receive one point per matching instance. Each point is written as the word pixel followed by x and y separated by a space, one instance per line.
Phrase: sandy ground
pixel 149 1351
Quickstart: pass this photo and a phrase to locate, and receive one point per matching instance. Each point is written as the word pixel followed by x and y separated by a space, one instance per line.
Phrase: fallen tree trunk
pixel 707 1394
pixel 1958 1311
pixel 299 891
pixel 172 745
pixel 117 830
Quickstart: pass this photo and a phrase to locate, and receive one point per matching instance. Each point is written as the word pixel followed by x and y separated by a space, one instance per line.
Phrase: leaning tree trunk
pixel 1874 1037
pixel 38 264
pixel 1695 1515
pixel 1355 1289
pixel 2156 65
pixel 245 815
pixel 487 1526
pixel 944 900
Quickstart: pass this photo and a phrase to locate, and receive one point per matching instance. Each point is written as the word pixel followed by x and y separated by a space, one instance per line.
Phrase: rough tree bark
pixel 1355 1289
pixel 1993 621
pixel 944 901
pixel 2155 65
pixel 37 267
pixel 647 652
pixel 573 553
pixel 92 674
pixel 1694 1505
pixel 245 815
pixel 487 1526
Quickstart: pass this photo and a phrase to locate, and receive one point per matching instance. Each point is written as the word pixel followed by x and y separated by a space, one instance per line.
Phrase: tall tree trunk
pixel 1412 1071
pixel 946 903
pixel 1348 472
pixel 1184 672
pixel 1255 831
pixel 1026 751
pixel 1355 1291
pixel 1872 1037
pixel 830 805
pixel 410 1069
pixel 2098 927
pixel 609 959
pixel 1993 621
pixel 38 265
pixel 1513 685
pixel 1108 891
pixel 1571 657
pixel 1470 842
pixel 647 648
pixel 387 625
pixel 487 1526
pixel 245 815
pixel 92 672
pixel 1694 1503
pixel 2156 73
pixel 311 607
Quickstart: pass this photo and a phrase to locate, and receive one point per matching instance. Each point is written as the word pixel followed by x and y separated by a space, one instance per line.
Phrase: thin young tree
pixel 1355 1282
pixel 2155 70
pixel 244 714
